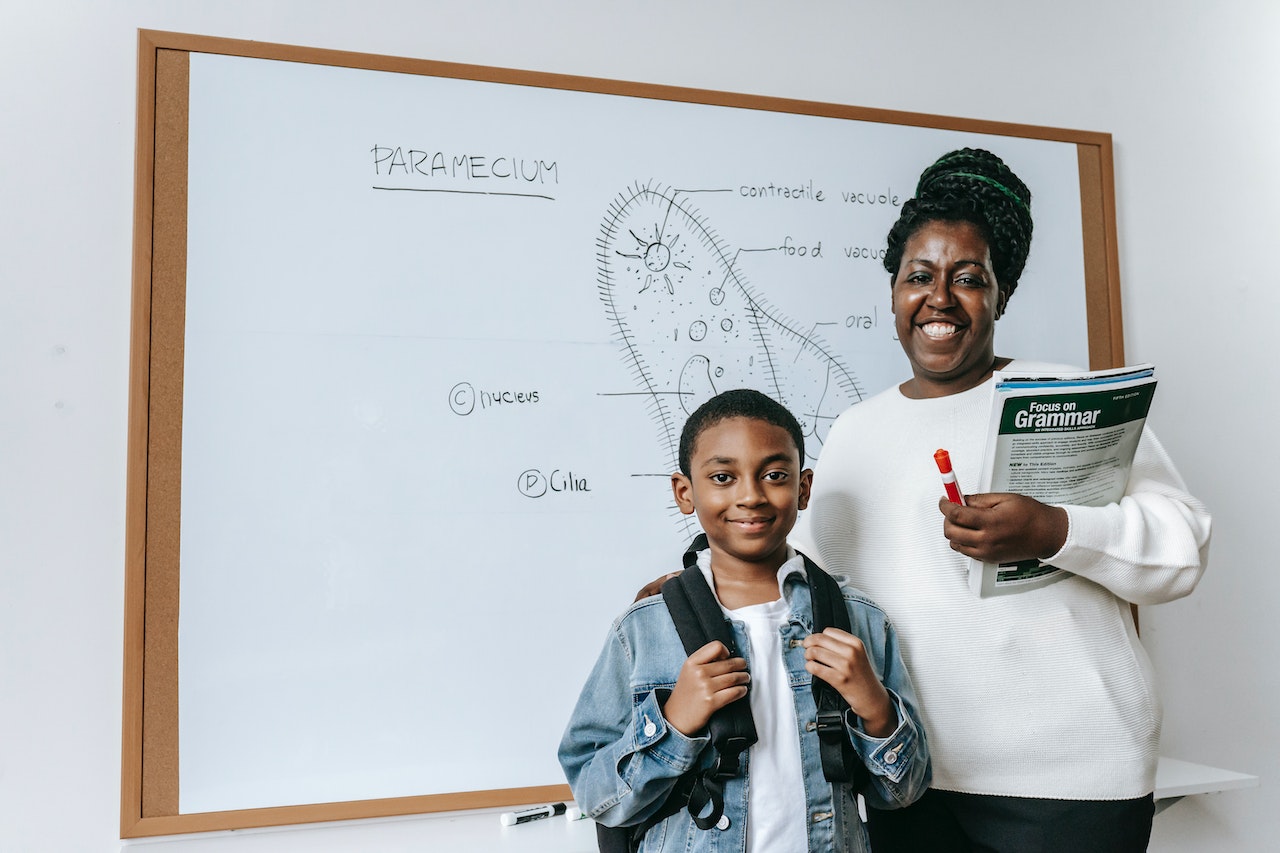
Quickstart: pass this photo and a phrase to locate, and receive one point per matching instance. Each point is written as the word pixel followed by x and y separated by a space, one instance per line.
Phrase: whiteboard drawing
pixel 690 325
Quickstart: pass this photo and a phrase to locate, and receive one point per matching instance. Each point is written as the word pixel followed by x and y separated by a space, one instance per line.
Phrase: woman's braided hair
pixel 971 185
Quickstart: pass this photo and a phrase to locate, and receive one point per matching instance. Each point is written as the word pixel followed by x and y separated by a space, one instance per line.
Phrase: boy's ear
pixel 806 486
pixel 682 489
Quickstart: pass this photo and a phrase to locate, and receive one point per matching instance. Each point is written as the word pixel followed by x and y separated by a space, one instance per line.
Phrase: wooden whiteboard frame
pixel 150 761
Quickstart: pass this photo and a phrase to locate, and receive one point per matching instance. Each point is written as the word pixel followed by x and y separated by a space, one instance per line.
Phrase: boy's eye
pixel 776 476
pixel 721 478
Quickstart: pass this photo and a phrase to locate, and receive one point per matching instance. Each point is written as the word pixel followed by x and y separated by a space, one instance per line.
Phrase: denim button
pixel 723 822
pixel 891 757
pixel 649 727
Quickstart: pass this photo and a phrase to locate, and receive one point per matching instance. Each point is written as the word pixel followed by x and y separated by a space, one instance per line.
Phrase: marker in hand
pixel 943 458
pixel 513 818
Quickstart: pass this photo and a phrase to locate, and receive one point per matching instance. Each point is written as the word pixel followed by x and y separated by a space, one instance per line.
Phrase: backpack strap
pixel 840 762
pixel 699 620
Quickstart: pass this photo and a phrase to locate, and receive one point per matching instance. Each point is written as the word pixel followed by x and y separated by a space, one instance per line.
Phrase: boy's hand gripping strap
pixel 699 620
pixel 840 762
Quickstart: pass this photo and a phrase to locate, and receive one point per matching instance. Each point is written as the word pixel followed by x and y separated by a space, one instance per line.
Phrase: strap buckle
pixel 727 762
pixel 831 725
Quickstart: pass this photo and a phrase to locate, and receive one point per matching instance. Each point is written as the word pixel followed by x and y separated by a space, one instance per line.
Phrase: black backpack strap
pixel 699 620
pixel 694 634
pixel 840 762
pixel 694 607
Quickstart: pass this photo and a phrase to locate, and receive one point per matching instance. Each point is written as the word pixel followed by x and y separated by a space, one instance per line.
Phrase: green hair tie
pixel 993 182
pixel 937 164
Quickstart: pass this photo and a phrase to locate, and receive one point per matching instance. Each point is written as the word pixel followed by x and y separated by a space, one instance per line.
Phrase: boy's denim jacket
pixel 622 758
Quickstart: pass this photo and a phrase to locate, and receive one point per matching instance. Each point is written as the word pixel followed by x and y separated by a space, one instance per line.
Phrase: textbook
pixel 1061 439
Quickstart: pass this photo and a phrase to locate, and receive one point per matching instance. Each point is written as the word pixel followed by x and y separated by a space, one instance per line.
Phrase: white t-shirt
pixel 776 805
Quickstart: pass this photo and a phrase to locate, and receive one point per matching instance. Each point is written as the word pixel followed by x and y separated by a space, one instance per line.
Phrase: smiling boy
pixel 641 721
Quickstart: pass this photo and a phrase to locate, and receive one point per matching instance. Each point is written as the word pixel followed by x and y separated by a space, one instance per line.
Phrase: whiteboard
pixel 438 338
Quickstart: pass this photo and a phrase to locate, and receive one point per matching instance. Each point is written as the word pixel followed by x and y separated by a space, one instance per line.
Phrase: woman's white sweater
pixel 1043 693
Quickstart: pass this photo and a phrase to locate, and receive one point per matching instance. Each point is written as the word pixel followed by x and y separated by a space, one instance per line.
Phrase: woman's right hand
pixel 654 587
pixel 1002 527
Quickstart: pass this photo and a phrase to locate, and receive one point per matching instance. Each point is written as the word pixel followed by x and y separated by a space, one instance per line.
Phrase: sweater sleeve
pixel 1149 548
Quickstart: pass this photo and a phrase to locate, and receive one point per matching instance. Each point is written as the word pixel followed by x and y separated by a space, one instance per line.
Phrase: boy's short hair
pixel 738 403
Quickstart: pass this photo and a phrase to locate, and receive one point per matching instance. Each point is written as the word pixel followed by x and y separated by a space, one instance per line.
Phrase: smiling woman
pixel 1012 688
pixel 956 254
pixel 945 302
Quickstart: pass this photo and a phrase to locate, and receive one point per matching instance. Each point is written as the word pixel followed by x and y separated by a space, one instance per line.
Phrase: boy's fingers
pixel 728 695
pixel 719 688
pixel 712 651
pixel 822 672
pixel 834 639
pixel 723 694
pixel 835 654
pixel 733 669
pixel 827 658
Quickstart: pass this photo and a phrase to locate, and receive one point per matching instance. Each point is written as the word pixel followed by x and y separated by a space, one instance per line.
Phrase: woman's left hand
pixel 1001 527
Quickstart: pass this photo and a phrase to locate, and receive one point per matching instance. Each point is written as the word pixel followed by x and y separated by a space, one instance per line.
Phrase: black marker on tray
pixel 513 818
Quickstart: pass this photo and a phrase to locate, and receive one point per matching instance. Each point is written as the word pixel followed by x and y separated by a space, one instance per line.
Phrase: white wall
pixel 1190 92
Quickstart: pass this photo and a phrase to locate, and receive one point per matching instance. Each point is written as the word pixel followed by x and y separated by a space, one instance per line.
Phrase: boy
pixel 641 720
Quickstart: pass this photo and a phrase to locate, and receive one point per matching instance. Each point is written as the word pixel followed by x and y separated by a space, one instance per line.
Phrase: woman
pixel 1040 706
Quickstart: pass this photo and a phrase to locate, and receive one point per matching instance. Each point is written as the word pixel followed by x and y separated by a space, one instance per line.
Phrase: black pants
pixel 948 822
